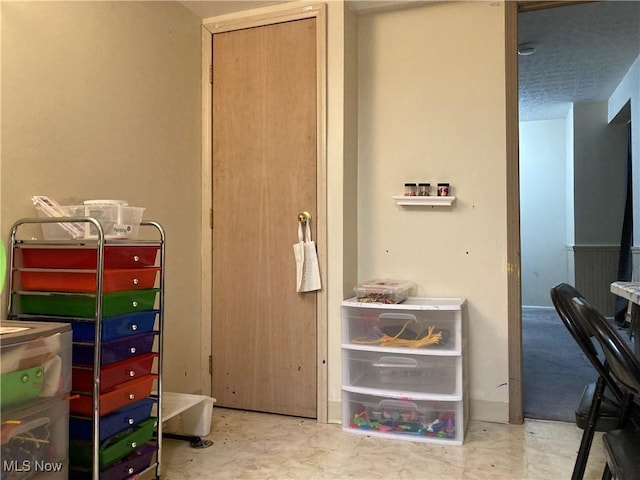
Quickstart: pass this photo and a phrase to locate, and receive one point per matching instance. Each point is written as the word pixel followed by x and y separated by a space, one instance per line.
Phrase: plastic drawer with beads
pixel 414 420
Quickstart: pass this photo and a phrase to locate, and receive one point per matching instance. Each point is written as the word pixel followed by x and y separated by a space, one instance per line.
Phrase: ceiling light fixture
pixel 526 49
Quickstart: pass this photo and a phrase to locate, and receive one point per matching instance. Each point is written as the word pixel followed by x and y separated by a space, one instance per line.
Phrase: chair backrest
pixel 621 360
pixel 580 326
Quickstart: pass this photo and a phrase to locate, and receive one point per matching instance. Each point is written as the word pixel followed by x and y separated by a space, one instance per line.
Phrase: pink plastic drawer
pixel 113 280
pixel 124 394
pixel 115 256
pixel 113 374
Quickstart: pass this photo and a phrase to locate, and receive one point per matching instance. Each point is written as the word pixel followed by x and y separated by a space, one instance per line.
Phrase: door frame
pixel 248 20
pixel 514 287
pixel 514 294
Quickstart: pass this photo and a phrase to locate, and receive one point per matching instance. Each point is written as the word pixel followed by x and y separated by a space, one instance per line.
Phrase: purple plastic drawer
pixel 115 350
pixel 126 468
pixel 134 463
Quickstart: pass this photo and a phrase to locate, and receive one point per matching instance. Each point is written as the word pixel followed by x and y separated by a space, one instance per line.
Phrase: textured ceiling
pixel 583 53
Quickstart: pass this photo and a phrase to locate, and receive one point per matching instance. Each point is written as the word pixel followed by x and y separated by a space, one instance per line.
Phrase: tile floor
pixel 249 445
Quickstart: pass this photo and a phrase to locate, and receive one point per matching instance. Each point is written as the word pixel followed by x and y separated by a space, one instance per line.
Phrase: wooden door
pixel 264 175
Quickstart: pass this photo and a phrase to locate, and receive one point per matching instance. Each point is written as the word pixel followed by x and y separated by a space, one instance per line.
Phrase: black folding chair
pixel 622 445
pixel 596 411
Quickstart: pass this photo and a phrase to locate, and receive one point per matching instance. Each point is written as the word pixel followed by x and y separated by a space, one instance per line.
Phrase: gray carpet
pixel 555 370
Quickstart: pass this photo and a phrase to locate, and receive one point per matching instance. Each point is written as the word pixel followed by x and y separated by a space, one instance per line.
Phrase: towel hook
pixel 304 217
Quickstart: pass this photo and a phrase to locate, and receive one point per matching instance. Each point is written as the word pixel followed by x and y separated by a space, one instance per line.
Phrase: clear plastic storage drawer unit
pixel 404 369
pixel 35 361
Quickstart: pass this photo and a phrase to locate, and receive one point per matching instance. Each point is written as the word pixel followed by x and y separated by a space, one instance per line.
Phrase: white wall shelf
pixel 430 200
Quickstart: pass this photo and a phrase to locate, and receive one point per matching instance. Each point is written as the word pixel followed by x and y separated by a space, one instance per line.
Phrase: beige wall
pixel 432 108
pixel 97 96
pixel 102 100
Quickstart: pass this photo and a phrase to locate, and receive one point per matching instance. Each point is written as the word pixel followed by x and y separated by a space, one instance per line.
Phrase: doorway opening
pixel 573 176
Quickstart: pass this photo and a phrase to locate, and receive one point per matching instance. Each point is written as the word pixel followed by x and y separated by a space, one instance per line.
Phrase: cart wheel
pixel 201 443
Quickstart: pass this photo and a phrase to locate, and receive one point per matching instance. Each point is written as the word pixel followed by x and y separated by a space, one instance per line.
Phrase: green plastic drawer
pixel 117 303
pixel 114 449
pixel 21 386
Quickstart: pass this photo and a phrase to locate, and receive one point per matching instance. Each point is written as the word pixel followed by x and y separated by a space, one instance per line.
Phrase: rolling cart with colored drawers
pixel 404 369
pixel 111 292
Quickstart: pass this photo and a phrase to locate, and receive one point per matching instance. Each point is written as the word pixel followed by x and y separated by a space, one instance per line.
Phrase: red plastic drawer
pixel 113 374
pixel 115 256
pixel 124 394
pixel 113 280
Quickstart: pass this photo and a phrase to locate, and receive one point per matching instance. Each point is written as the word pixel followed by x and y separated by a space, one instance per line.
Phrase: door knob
pixel 304 217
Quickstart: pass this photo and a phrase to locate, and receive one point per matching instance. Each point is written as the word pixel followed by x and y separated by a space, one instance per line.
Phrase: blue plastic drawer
pixel 81 428
pixel 116 327
pixel 115 350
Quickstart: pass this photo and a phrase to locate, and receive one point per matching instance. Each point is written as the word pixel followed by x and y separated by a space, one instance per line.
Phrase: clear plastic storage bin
pixel 116 219
pixel 35 441
pixel 60 231
pixel 383 291
pixel 35 361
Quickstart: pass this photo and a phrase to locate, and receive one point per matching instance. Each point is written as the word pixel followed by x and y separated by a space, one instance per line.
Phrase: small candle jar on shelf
pixel 424 189
pixel 410 189
pixel 443 189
